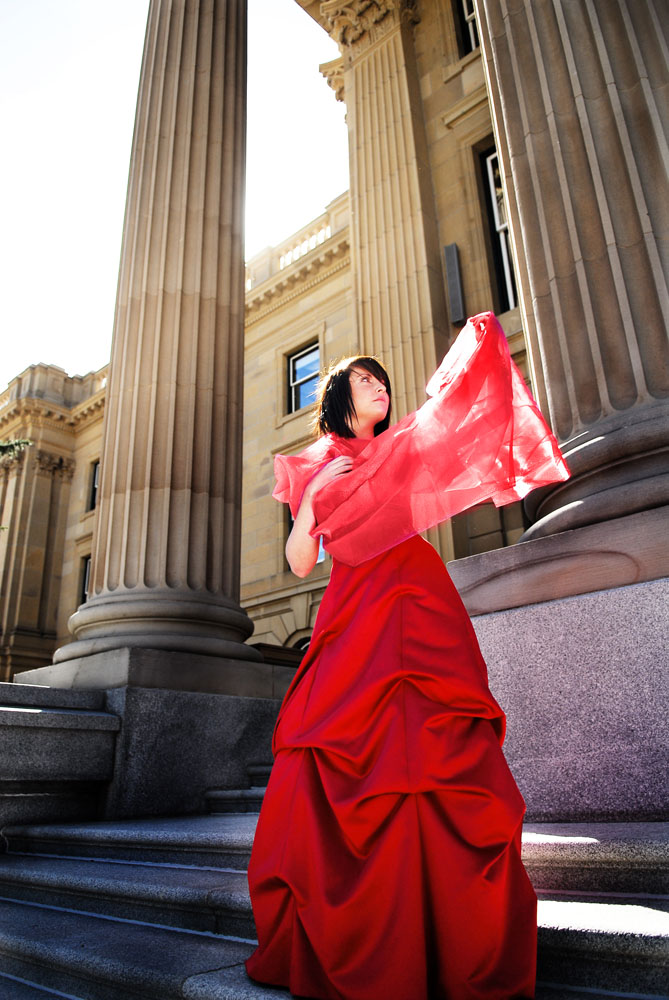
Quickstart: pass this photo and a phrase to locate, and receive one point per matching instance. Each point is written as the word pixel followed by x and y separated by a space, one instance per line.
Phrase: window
pixel 499 230
pixel 303 377
pixel 466 26
pixel 94 483
pixel 85 579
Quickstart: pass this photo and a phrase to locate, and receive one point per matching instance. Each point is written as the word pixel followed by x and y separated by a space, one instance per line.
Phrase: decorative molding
pixel 308 271
pixel 334 74
pixel 347 22
pixel 46 414
pixel 46 461
pixel 465 108
pixel 282 298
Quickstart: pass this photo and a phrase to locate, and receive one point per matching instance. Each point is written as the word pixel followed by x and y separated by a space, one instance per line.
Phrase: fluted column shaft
pixel 395 249
pixel 165 568
pixel 578 95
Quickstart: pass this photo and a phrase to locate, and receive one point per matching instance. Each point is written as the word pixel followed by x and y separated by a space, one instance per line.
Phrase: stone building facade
pixel 392 267
pixel 47 508
pixel 503 153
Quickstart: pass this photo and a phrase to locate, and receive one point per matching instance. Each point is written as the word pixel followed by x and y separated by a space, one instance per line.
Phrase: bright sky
pixel 68 87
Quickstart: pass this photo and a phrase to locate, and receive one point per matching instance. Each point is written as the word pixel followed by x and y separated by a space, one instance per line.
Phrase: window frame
pixel 93 485
pixel 502 270
pixel 466 27
pixel 85 579
pixel 293 385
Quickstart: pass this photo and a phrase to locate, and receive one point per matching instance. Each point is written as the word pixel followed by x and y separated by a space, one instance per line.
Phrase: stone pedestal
pixel 583 682
pixel 165 569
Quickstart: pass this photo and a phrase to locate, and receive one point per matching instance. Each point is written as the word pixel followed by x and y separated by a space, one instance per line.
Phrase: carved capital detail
pixel 346 22
pixel 334 74
pixel 52 464
pixel 12 461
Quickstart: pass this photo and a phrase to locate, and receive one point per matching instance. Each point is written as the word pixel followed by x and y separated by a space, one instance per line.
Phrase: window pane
pixel 304 394
pixel 305 365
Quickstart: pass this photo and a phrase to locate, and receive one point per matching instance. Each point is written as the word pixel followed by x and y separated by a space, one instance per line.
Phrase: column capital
pixel 333 72
pixel 50 464
pixel 351 21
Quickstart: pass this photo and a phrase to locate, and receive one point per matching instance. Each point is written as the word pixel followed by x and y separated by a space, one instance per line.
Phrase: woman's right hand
pixel 339 466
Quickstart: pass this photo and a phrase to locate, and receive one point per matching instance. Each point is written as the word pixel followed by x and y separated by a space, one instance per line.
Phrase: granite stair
pixel 160 909
pixel 241 800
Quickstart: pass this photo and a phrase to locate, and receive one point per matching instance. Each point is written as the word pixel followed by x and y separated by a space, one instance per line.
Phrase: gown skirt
pixel 386 864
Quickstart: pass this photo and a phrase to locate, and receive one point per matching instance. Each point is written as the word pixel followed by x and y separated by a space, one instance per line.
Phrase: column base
pixel 617 553
pixel 168 669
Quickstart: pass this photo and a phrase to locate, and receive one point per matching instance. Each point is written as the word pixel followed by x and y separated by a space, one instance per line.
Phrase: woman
pixel 386 864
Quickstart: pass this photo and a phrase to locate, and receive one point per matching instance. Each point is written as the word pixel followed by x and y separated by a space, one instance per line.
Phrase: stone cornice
pixel 293 281
pixel 48 414
pixel 90 410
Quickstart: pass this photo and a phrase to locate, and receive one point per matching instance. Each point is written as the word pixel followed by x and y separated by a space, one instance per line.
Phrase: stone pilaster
pixel 578 92
pixel 165 573
pixel 395 250
pixel 34 487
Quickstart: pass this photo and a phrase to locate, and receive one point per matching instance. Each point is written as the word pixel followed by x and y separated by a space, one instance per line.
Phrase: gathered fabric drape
pixel 386 863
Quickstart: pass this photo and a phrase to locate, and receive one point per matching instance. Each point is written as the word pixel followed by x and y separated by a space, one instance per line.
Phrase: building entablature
pixel 315 267
pixel 20 405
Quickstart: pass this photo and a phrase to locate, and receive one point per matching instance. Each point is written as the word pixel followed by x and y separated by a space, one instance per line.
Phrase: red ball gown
pixel 386 863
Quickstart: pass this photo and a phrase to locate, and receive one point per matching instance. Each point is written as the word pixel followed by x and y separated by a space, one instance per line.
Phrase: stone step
pixel 259 774
pixel 20 989
pixel 55 759
pixel 605 943
pixel 609 857
pixel 603 857
pixel 95 958
pixel 240 800
pixel 36 696
pixel 211 841
pixel 213 900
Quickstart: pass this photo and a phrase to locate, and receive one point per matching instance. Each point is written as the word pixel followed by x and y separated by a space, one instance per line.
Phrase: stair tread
pixel 639 923
pixel 637 920
pixel 14 989
pixel 636 843
pixel 139 956
pixel 160 883
pixel 233 829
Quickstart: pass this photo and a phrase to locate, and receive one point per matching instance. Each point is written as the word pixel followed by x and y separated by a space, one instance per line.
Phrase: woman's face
pixel 370 398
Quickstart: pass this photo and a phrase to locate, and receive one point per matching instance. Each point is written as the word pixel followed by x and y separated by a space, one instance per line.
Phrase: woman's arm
pixel 301 547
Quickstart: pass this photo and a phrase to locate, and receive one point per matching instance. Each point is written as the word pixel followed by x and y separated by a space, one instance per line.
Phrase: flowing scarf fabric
pixel 480 436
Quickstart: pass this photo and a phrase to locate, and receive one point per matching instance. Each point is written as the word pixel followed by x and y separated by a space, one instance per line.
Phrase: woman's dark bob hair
pixel 334 405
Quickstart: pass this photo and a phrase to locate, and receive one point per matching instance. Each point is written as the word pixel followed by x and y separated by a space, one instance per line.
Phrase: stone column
pixel 394 241
pixel 163 608
pixel 578 96
pixel 396 263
